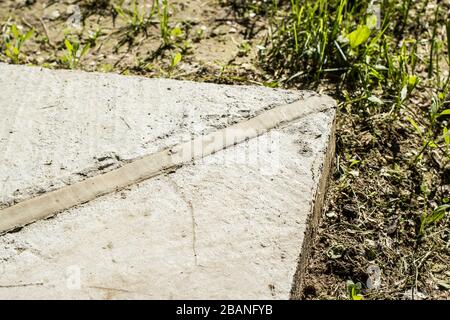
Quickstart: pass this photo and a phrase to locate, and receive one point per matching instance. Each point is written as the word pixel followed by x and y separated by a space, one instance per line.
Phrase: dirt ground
pixel 215 44
pixel 374 202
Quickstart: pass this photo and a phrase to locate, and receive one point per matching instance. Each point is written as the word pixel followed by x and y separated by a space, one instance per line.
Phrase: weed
pixel 93 37
pixel 163 13
pixel 435 216
pixel 354 290
pixel 136 20
pixel 244 49
pixel 74 52
pixel 176 58
pixel 14 39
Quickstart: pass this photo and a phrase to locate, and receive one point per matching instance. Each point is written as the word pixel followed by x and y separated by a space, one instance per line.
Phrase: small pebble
pixel 54 15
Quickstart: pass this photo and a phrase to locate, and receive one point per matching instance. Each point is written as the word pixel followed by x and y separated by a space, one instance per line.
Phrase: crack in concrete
pixel 21 285
pixel 111 289
pixel 191 209
pixel 111 292
pixel 126 123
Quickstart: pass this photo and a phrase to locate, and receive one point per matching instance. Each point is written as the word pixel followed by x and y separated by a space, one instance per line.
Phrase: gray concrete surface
pixel 229 225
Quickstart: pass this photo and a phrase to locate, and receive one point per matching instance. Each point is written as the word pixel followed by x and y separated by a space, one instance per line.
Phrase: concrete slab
pixel 233 224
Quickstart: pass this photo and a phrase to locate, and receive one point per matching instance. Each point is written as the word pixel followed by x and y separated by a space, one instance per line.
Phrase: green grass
pixel 14 39
pixel 373 67
pixel 136 19
pixel 379 67
pixel 74 53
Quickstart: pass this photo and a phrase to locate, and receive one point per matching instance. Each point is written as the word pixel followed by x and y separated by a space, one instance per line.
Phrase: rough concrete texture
pixel 230 225
pixel 58 127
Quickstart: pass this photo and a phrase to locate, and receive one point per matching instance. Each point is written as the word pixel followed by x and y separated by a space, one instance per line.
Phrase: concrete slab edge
pixel 314 216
